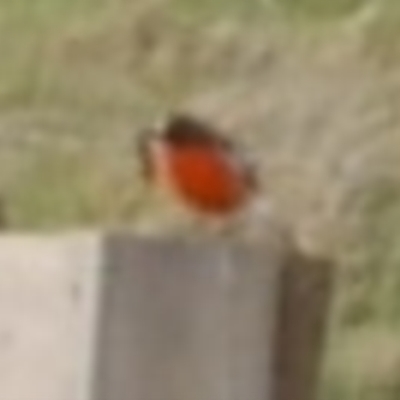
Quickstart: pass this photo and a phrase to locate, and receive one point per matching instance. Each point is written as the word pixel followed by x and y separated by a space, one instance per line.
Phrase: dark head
pixel 186 130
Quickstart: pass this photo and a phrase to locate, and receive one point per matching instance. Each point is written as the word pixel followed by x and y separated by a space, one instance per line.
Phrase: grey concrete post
pixel 186 321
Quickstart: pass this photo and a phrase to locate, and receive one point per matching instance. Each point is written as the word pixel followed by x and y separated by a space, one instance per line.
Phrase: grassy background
pixel 313 85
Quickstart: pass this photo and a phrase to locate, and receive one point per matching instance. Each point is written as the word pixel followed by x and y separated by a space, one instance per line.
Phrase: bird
pixel 199 166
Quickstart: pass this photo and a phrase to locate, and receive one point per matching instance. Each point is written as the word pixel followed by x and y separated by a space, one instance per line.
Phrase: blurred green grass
pixel 312 85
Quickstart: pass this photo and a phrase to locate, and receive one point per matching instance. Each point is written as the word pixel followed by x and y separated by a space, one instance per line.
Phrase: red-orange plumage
pixel 200 167
pixel 206 180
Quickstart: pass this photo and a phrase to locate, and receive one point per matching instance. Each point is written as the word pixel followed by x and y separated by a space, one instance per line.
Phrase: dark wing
pixel 186 130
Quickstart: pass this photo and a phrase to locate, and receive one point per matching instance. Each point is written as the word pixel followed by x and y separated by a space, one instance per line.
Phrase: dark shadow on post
pixel 306 291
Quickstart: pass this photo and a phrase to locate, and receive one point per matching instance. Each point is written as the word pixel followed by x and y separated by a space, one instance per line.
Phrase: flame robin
pixel 199 166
